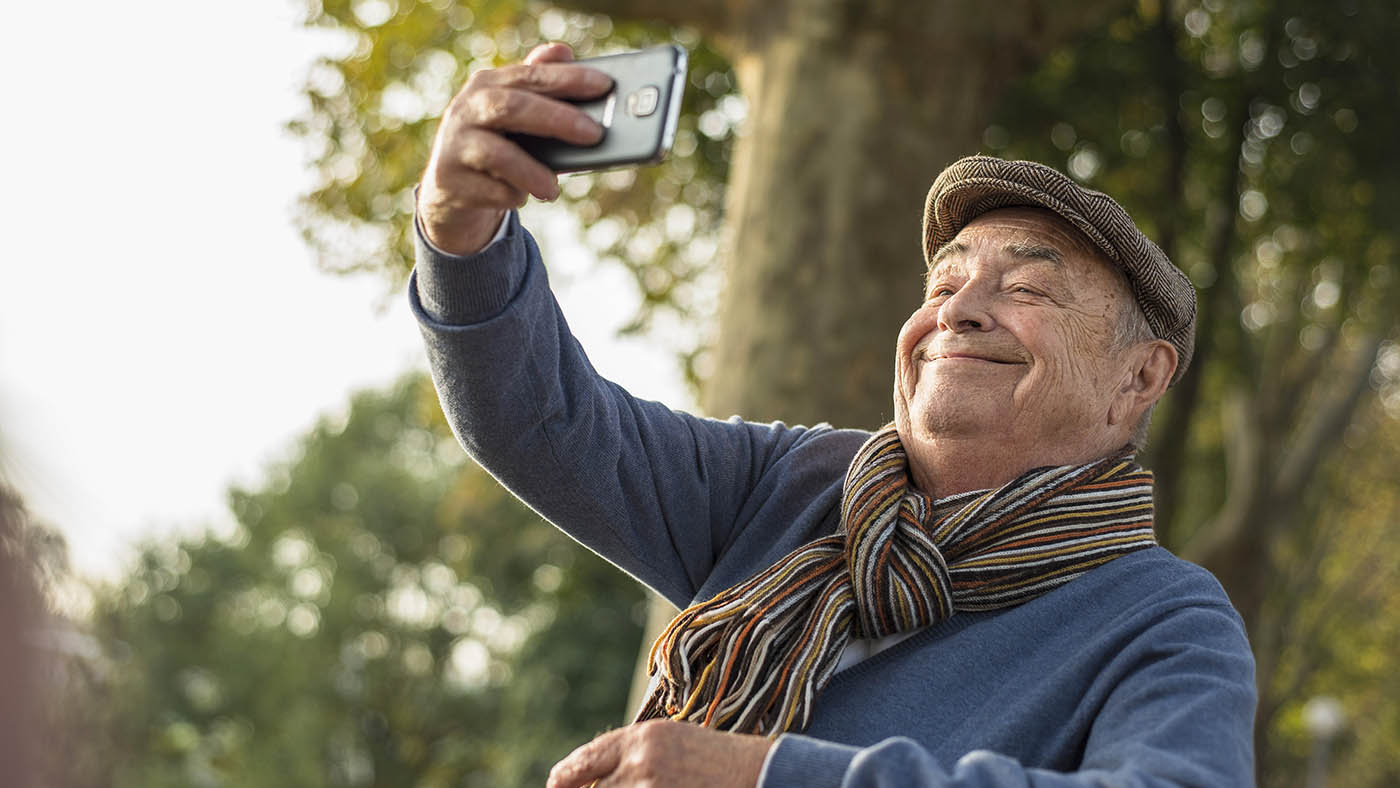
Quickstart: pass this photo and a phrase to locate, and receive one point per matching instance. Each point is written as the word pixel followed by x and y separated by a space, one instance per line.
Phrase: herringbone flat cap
pixel 975 185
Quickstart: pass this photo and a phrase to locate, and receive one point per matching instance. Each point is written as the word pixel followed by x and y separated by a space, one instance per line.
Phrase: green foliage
pixel 373 110
pixel 379 616
pixel 1338 639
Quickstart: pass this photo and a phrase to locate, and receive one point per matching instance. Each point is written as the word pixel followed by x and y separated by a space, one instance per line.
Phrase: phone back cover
pixel 627 139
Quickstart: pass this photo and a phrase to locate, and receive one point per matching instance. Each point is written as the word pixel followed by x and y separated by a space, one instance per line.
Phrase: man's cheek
pixel 906 366
pixel 905 387
pixel 1086 333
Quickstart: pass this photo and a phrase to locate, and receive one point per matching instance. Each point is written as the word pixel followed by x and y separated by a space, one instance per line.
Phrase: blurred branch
pixel 1170 458
pixel 1358 581
pixel 1326 426
pixel 1225 292
pixel 1307 633
pixel 1170 81
pixel 1242 470
pixel 1212 317
pixel 1291 385
pixel 709 16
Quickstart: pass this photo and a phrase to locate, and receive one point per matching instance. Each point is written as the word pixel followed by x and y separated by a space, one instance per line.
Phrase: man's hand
pixel 476 174
pixel 664 753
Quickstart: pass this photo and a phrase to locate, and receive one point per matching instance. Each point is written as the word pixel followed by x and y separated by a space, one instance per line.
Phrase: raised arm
pixel 662 494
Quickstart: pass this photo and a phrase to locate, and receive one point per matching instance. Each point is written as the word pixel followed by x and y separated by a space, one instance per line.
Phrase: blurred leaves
pixel 383 614
pixel 1336 613
pixel 372 110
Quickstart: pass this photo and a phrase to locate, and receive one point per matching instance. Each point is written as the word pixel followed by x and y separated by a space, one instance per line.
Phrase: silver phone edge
pixel 673 112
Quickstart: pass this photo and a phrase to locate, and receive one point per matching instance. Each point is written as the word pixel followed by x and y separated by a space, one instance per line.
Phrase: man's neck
pixel 947 466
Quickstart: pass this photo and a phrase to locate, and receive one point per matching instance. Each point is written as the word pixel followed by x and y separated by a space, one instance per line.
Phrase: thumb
pixel 593 761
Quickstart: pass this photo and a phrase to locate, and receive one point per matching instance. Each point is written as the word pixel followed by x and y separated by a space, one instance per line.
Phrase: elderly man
pixel 971 596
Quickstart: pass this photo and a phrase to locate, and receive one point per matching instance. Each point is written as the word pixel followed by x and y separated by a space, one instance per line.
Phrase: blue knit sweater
pixel 1136 674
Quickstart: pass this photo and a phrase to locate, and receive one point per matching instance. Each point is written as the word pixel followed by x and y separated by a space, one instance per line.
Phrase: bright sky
pixel 163 330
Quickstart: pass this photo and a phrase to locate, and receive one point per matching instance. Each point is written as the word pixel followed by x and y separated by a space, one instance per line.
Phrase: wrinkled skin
pixel 475 173
pixel 663 753
pixel 1010 362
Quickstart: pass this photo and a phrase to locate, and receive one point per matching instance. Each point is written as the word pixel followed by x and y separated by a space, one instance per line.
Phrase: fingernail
pixel 588 128
pixel 598 80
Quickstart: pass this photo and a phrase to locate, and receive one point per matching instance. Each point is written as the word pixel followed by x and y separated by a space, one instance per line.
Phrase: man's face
pixel 1013 345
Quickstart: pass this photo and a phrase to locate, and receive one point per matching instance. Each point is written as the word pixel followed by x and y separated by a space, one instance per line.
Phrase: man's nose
pixel 966 310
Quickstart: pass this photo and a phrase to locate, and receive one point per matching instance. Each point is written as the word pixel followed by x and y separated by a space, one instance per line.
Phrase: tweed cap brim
pixel 975 185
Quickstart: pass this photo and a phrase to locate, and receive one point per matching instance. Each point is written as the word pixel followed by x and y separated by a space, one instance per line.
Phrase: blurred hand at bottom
pixel 664 753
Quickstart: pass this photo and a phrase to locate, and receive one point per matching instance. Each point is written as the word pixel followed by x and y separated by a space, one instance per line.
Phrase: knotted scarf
pixel 753 658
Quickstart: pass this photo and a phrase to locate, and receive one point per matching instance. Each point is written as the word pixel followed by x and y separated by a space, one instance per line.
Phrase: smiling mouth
pixel 969 357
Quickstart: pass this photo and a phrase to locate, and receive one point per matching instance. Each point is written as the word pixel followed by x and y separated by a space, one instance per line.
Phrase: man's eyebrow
pixel 949 249
pixel 1020 249
pixel 1035 251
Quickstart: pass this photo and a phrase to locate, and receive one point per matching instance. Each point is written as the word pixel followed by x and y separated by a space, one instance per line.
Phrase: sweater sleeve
pixel 1182 715
pixel 655 491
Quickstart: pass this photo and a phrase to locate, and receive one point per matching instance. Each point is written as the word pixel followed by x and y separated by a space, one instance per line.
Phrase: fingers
pixel 483 152
pixel 506 109
pixel 592 761
pixel 521 99
pixel 664 752
pixel 487 191
pixel 475 171
pixel 561 80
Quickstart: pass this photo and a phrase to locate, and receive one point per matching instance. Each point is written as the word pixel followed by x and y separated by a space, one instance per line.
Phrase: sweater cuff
pixel 467 289
pixel 797 760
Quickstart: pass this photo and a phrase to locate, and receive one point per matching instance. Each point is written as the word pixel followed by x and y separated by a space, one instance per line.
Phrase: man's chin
pixel 957 413
pixel 947 409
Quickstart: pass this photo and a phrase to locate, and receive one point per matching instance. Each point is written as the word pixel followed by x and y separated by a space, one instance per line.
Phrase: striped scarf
pixel 754 658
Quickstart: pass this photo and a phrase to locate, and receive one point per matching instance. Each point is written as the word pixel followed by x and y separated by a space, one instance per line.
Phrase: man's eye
pixel 942 291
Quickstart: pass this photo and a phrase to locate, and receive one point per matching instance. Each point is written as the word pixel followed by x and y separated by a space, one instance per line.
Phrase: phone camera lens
pixel 642 102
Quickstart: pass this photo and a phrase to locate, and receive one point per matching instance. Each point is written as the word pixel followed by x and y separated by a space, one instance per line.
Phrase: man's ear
pixel 1152 365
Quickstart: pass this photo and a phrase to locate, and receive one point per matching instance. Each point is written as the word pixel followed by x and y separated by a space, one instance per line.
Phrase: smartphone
pixel 638 115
